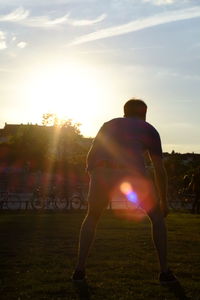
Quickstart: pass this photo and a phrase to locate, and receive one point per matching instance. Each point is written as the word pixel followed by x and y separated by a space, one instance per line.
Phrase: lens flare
pixel 128 191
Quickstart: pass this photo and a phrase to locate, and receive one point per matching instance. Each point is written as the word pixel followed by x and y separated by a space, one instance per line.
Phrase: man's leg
pixel 149 202
pixel 97 201
pixel 159 235
pixel 87 234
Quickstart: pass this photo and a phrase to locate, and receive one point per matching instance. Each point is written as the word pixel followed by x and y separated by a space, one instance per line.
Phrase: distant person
pixel 195 188
pixel 115 162
pixel 186 182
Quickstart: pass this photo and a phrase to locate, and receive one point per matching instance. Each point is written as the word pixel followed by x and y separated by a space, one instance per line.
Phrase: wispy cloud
pixel 22 16
pixel 21 45
pixel 160 2
pixel 163 18
pixel 86 22
pixel 2 45
pixel 15 16
pixel 184 125
pixel 185 76
pixel 2 40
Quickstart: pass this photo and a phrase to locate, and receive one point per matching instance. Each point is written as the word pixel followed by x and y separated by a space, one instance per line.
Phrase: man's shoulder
pixel 123 120
pixel 152 128
pixel 131 123
pixel 114 120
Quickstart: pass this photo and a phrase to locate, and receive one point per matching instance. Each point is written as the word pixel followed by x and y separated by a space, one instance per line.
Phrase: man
pixel 115 164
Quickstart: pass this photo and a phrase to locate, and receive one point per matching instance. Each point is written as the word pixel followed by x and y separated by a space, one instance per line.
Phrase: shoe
pixel 167 278
pixel 78 276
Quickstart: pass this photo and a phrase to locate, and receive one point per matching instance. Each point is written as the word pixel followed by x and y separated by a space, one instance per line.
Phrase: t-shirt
pixel 124 141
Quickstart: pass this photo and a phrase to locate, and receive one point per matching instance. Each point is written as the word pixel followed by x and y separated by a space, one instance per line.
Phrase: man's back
pixel 125 141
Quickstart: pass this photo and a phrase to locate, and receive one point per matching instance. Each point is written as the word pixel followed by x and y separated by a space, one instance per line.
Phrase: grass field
pixel 38 252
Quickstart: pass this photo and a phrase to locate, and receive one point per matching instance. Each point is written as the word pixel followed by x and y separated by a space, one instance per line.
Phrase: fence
pixel 76 201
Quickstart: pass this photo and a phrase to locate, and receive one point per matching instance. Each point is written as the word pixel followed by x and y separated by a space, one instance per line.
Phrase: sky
pixel 83 59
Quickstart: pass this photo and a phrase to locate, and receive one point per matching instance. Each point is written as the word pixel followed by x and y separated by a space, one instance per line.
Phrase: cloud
pixel 160 2
pixel 183 125
pixel 22 16
pixel 67 20
pixel 2 45
pixel 182 75
pixel 2 40
pixel 21 45
pixel 86 22
pixel 163 18
pixel 17 15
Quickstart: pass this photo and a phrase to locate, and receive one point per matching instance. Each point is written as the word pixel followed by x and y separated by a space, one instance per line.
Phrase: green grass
pixel 38 253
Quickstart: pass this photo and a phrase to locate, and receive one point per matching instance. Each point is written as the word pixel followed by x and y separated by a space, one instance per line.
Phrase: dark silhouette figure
pixel 82 290
pixel 186 182
pixel 116 167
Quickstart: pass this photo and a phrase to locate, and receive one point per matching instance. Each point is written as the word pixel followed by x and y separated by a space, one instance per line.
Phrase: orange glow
pixel 125 187
pixel 139 197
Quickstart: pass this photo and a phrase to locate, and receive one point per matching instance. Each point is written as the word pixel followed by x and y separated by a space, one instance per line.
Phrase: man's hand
pixel 164 208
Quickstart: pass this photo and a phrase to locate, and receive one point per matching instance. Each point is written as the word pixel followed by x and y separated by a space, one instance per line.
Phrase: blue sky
pixel 84 58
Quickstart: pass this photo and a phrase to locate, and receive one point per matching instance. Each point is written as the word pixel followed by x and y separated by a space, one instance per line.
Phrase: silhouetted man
pixel 116 167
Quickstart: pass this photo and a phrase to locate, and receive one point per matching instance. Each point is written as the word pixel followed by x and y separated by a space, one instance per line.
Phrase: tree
pixel 31 143
pixel 49 119
pixel 66 137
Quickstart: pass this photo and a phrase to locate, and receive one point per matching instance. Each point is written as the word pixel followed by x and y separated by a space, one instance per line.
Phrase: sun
pixel 70 91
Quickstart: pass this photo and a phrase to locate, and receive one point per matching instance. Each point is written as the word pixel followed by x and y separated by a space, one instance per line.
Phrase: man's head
pixel 135 108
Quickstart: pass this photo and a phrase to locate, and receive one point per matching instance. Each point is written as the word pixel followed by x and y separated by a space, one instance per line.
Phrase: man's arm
pixel 91 157
pixel 161 181
pixel 95 147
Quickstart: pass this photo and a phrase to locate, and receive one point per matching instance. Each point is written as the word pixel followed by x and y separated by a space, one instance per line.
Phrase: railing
pixel 181 201
pixel 77 200
pixel 28 201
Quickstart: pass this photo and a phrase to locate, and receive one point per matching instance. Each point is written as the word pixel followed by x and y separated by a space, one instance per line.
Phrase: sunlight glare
pixel 128 191
pixel 70 91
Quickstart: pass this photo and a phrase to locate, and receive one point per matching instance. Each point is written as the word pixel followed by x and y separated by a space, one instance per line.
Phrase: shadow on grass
pixel 178 291
pixel 82 290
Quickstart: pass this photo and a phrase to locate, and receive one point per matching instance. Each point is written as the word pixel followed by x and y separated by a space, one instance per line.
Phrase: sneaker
pixel 78 276
pixel 167 278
